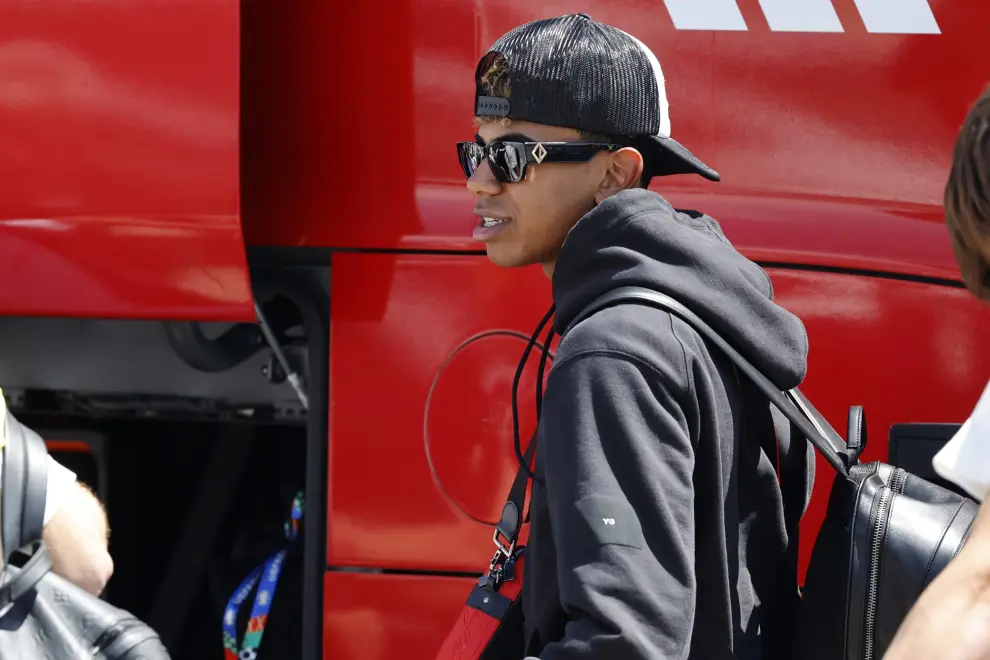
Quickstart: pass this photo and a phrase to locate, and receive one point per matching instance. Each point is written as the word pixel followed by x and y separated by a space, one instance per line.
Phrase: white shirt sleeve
pixel 965 459
pixel 60 483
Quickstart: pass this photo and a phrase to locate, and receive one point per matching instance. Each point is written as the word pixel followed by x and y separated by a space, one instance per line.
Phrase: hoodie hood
pixel 636 238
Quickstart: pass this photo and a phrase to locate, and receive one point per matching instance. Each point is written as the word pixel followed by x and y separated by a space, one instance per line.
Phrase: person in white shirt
pixel 951 620
pixel 75 526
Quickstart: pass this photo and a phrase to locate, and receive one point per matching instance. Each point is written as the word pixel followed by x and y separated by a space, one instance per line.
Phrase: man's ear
pixel 623 170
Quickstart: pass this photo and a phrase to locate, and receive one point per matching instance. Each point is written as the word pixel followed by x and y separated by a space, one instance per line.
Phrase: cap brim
pixel 671 157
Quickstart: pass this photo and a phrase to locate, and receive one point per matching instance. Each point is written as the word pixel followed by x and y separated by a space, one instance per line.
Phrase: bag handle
pixel 23 487
pixel 792 403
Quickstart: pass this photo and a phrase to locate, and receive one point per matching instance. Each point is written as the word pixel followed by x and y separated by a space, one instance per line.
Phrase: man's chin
pixel 503 257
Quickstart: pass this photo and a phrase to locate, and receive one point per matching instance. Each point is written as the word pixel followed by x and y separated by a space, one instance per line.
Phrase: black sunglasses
pixel 509 160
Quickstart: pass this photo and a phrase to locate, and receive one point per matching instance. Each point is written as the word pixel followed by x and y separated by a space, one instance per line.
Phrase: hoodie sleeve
pixel 618 462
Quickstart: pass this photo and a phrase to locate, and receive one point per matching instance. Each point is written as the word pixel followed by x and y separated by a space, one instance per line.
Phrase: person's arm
pixel 76 531
pixel 951 619
pixel 74 524
pixel 618 462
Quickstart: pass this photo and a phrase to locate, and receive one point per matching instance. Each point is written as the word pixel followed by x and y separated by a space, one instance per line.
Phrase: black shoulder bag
pixel 41 614
pixel 886 535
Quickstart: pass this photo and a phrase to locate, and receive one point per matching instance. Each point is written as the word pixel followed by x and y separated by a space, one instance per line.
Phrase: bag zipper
pixel 876 556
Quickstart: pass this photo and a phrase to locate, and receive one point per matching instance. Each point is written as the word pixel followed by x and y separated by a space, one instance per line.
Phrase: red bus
pixel 166 166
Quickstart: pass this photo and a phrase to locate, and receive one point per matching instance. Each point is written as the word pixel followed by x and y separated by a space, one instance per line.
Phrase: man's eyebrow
pixel 511 137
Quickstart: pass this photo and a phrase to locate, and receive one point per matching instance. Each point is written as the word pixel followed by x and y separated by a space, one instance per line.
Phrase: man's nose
pixel 483 181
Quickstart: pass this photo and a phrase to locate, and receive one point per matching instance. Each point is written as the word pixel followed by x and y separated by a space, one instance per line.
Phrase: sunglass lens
pixel 511 160
pixel 470 154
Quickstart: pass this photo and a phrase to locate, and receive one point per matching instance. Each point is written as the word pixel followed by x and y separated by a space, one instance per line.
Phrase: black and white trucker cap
pixel 573 71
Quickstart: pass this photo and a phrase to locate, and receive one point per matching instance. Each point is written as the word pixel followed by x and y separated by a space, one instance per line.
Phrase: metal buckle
pixel 501 551
pixel 501 548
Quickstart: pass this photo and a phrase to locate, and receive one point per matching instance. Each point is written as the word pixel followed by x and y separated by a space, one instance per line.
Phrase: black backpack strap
pixel 797 467
pixel 514 511
pixel 23 486
pixel 792 403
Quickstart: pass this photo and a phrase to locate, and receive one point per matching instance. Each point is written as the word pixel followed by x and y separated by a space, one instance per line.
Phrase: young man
pixel 657 524
pixel 951 620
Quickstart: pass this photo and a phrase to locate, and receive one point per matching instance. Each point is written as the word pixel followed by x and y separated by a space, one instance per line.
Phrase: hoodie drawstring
pixel 526 459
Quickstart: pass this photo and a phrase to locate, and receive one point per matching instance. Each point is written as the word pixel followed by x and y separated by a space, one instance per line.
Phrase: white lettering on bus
pixel 879 16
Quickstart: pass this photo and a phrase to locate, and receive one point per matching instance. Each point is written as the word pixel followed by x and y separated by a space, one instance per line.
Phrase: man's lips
pixel 489 225
pixel 491 220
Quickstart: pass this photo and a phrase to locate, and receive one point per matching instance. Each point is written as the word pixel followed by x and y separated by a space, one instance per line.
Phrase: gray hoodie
pixel 657 524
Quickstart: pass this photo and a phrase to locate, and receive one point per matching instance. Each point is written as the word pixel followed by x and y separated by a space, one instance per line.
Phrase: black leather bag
pixel 887 533
pixel 43 616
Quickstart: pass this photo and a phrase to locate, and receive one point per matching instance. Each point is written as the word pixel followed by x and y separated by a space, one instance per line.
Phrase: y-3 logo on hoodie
pixel 609 521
